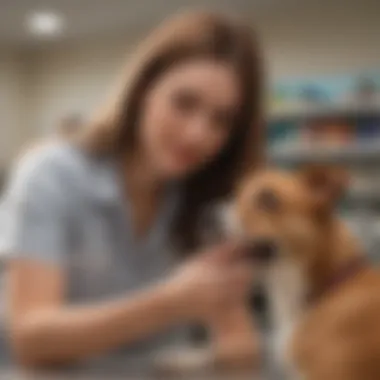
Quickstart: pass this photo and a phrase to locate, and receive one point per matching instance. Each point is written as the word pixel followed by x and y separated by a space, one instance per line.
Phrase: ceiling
pixel 99 18
pixel 86 18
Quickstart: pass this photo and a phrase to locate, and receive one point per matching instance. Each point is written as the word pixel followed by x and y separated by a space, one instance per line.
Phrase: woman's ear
pixel 326 184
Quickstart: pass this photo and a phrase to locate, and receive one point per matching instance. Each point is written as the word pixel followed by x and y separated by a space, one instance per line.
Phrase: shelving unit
pixel 360 154
pixel 355 154
pixel 312 112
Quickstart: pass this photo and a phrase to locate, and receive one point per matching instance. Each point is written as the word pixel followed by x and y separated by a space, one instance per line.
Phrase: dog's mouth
pixel 262 250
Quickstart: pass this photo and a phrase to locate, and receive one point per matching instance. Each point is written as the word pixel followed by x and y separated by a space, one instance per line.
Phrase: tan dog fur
pixel 337 336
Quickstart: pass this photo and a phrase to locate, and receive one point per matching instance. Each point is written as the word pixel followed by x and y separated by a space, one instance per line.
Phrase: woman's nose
pixel 198 128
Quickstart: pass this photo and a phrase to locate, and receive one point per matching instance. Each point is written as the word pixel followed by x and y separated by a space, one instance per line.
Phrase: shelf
pixel 365 198
pixel 365 153
pixel 322 112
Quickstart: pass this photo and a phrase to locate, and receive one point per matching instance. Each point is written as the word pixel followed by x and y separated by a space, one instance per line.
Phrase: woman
pixel 92 226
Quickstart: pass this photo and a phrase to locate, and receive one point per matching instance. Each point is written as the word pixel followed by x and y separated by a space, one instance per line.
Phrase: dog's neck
pixel 286 287
pixel 290 283
pixel 337 256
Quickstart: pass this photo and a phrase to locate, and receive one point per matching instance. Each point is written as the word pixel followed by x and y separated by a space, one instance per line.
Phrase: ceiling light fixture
pixel 45 23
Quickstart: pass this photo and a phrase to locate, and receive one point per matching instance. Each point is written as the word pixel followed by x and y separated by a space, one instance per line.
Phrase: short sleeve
pixel 34 212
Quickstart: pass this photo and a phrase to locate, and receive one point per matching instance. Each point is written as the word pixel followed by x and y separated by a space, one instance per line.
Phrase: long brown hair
pixel 187 36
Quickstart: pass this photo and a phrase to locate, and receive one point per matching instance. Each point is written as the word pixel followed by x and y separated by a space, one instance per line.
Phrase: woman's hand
pixel 212 280
pixel 212 289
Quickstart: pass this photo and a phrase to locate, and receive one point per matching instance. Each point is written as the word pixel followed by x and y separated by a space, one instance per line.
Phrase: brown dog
pixel 324 297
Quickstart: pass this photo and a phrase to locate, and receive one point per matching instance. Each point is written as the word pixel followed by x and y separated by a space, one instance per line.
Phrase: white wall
pixel 320 39
pixel 72 79
pixel 316 38
pixel 11 105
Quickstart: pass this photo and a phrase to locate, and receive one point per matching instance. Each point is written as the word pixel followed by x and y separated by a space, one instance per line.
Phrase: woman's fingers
pixel 225 253
pixel 240 279
pixel 234 272
pixel 213 278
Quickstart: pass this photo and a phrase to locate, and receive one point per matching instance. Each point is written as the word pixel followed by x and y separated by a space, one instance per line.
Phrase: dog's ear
pixel 326 184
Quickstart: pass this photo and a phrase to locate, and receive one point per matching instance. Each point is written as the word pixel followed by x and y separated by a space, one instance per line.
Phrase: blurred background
pixel 60 58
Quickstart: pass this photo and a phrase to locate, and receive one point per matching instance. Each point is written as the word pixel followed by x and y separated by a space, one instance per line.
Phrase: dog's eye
pixel 267 200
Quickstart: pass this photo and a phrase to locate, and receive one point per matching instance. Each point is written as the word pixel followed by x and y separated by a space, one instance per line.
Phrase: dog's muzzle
pixel 261 250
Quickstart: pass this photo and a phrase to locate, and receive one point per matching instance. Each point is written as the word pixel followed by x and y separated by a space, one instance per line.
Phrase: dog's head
pixel 284 214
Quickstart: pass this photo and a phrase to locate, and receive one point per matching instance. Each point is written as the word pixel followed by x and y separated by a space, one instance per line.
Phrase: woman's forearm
pixel 70 334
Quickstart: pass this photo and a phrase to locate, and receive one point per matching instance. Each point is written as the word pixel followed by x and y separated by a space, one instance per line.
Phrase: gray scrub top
pixel 67 208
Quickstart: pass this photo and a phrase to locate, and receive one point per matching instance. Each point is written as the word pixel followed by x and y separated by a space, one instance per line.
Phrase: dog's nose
pixel 262 250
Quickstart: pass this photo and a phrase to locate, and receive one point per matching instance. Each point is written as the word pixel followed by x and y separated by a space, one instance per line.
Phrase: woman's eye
pixel 185 102
pixel 267 200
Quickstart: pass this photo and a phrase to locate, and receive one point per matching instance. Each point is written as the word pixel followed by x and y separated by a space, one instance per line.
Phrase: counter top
pixel 138 368
pixel 13 374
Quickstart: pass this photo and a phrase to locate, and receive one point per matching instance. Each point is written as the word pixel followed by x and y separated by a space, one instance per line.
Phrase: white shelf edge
pixel 357 153
pixel 323 111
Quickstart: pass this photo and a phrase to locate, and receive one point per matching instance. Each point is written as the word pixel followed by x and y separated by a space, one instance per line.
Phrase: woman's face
pixel 187 116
